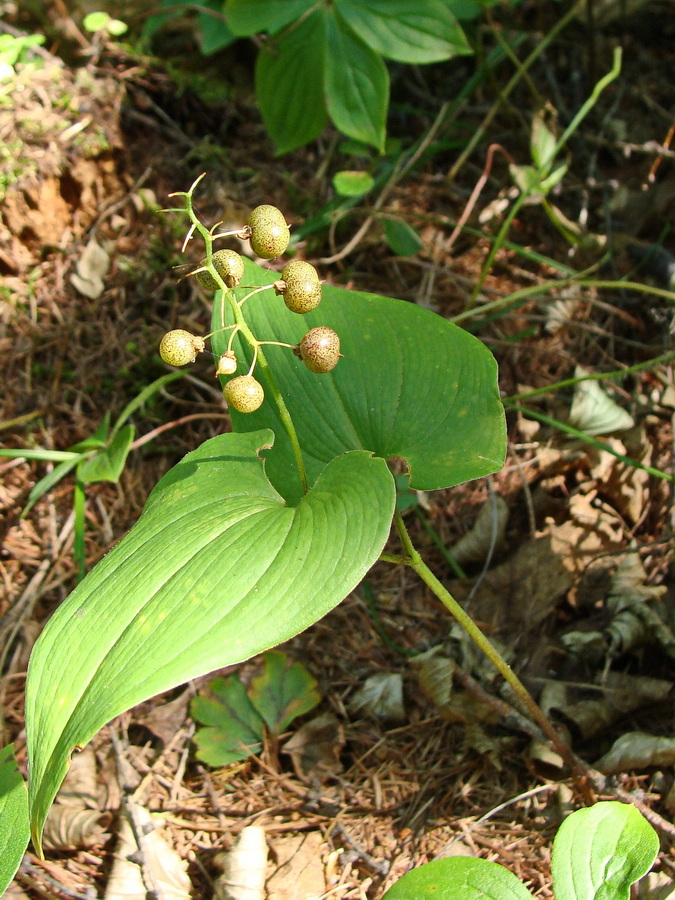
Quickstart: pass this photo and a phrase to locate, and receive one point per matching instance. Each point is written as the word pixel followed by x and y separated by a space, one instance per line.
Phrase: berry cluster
pixel 299 285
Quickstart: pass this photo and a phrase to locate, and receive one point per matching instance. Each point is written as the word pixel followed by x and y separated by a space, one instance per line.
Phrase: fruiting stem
pixel 265 287
pixel 416 562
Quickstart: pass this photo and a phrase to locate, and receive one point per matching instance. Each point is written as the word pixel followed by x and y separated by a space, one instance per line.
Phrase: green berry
pixel 244 394
pixel 269 232
pixel 302 293
pixel 179 347
pixel 228 264
pixel 319 349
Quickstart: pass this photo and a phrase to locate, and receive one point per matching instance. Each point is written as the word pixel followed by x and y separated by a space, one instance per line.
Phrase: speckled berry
pixel 302 291
pixel 227 364
pixel 269 232
pixel 244 394
pixel 319 349
pixel 179 347
pixel 228 264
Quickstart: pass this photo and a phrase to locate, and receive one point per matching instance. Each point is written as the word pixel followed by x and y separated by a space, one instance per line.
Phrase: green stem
pixel 79 552
pixel 545 165
pixel 416 562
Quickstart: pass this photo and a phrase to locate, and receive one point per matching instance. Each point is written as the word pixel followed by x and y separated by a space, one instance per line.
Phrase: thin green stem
pixel 543 169
pixel 588 439
pixel 79 552
pixel 417 563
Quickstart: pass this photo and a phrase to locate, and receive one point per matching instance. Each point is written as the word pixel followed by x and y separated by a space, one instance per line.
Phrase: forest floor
pixel 91 151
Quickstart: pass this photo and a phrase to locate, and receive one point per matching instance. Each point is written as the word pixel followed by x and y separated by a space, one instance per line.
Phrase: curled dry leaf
pixel 315 748
pixel 381 695
pixel 487 533
pixel 157 861
pixel 243 867
pixel 635 750
pixel 68 828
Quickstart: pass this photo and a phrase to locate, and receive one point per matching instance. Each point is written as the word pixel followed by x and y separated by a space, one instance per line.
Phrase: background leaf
pixel 459 878
pixel 247 17
pixel 356 84
pixel 600 851
pixel 293 115
pixel 421 32
pixel 402 238
pixel 411 385
pixel 235 727
pixel 284 691
pixel 14 832
pixel 217 569
pixel 352 184
pixel 108 464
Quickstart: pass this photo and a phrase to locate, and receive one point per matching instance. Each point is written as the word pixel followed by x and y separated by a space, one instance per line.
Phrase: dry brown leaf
pixel 92 268
pixel 67 828
pixel 298 873
pixel 244 867
pixel 635 750
pixel 626 487
pixel 165 868
pixel 381 695
pixel 315 747
pixel 487 533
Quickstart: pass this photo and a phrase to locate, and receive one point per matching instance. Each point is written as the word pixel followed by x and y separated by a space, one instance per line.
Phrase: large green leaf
pixel 356 84
pixel 410 385
pixel 289 84
pixel 600 851
pixel 424 31
pixel 13 817
pixel 247 17
pixel 218 568
pixel 459 878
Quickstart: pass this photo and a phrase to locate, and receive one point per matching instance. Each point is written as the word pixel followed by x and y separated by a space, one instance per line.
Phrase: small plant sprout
pixel 268 231
pixel 319 349
pixel 300 286
pixel 180 347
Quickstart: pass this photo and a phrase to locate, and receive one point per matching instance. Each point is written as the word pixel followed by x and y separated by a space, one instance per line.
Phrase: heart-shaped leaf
pixel 218 568
pixel 600 851
pixel 459 878
pixel 234 727
pixel 410 385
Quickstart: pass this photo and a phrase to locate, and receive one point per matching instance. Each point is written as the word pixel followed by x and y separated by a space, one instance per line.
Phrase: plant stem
pixel 416 562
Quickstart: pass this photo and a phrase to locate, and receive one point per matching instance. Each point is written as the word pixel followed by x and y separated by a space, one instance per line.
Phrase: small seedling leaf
pixel 356 84
pixel 352 184
pixel 411 385
pixel 425 31
pixel 108 464
pixel 542 145
pixel 234 727
pixel 459 878
pixel 600 851
pixel 284 691
pixel 293 116
pixel 14 831
pixel 243 571
pixel 403 239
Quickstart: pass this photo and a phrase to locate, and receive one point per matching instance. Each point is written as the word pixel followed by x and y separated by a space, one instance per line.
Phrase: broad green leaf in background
pixel 289 79
pixel 108 463
pixel 214 33
pixel 247 17
pixel 600 851
pixel 410 385
pixel 356 84
pixel 14 831
pixel 459 878
pixel 352 184
pixel 234 726
pixel 402 238
pixel 283 691
pixel 218 568
pixel 423 31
